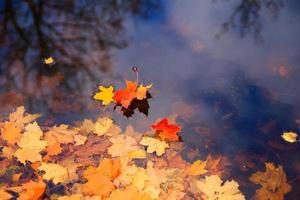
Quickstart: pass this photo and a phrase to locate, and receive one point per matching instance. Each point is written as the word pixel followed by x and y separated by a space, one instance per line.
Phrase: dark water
pixel 242 87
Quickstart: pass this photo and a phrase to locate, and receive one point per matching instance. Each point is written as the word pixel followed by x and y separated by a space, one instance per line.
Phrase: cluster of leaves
pixel 96 160
pixel 130 98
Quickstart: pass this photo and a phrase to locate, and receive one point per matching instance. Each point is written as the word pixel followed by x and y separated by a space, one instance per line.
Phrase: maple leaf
pixel 102 125
pixel 99 180
pixel 58 135
pixel 273 182
pixel 212 187
pixel 49 60
pixel 30 144
pixel 30 190
pixel 20 118
pixel 125 96
pixel 54 172
pixel 290 136
pixel 122 145
pixel 105 95
pixel 197 168
pixel 217 166
pixel 166 130
pixel 154 145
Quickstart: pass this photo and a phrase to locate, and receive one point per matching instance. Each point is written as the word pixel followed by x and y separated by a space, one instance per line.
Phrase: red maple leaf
pixel 125 96
pixel 166 130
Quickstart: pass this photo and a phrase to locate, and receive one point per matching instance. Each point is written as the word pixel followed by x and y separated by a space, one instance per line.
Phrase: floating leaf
pixel 290 136
pixel 105 95
pixel 212 187
pixel 54 172
pixel 154 145
pixel 273 181
pixel 167 131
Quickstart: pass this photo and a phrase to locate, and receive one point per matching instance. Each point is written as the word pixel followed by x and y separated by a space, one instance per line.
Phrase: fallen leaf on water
pixel 167 131
pixel 30 144
pixel 197 168
pixel 30 190
pixel 54 172
pixel 125 96
pixel 154 145
pixel 102 125
pixel 105 95
pixel 20 118
pixel 99 180
pixel 273 183
pixel 49 60
pixel 122 145
pixel 289 136
pixel 212 187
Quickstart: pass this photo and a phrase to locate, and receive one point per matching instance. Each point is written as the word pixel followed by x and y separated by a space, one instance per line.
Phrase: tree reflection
pixel 246 16
pixel 78 33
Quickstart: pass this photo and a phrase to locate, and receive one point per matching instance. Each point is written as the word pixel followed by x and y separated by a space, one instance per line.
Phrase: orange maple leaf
pixel 125 96
pixel 166 130
pixel 99 180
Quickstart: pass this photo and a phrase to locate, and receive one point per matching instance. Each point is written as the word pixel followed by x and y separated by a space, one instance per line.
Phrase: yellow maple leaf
pixel 20 118
pixel 105 95
pixel 49 61
pixel 122 145
pixel 154 145
pixel 197 168
pixel 142 91
pixel 54 172
pixel 290 136
pixel 273 182
pixel 212 187
pixel 30 144
pixel 102 125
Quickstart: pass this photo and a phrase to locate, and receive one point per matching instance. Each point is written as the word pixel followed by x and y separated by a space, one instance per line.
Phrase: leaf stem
pixel 135 69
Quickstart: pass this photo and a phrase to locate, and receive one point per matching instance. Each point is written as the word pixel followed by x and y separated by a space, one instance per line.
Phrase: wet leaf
pixel 212 187
pixel 273 183
pixel 105 95
pixel 154 145
pixel 289 136
pixel 54 172
pixel 167 131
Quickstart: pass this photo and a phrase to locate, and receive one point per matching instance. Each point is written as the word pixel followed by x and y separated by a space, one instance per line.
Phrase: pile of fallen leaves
pixel 97 160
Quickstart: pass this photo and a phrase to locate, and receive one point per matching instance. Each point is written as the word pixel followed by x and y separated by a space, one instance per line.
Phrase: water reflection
pixel 233 95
